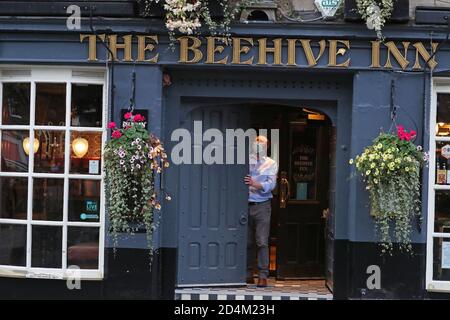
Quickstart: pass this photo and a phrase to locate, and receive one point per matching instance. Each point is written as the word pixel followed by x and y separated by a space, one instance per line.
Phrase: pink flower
pixel 116 134
pixel 112 125
pixel 128 115
pixel 139 118
pixel 404 135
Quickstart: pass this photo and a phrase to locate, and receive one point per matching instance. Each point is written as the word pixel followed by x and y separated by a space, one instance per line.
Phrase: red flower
pixel 112 125
pixel 116 134
pixel 128 115
pixel 404 135
pixel 139 118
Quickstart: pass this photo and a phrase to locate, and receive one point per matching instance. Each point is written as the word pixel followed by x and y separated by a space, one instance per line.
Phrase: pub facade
pixel 328 87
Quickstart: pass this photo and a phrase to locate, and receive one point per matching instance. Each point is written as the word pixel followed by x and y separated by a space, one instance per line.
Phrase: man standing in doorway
pixel 261 181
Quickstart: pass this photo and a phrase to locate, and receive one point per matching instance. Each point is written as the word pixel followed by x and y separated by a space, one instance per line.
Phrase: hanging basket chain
pixel 393 108
pixel 133 90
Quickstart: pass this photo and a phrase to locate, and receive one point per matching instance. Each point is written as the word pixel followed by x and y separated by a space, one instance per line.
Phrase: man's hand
pixel 252 183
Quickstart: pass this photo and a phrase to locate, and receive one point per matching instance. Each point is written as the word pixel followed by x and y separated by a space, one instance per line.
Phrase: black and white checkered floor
pixel 276 290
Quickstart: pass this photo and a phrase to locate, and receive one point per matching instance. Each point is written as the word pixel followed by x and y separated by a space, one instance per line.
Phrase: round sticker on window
pixel 445 151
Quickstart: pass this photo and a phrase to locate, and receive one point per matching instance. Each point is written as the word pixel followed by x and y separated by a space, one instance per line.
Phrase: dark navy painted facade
pixel 362 99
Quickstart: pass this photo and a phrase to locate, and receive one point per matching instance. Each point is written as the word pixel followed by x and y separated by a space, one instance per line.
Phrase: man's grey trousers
pixel 258 234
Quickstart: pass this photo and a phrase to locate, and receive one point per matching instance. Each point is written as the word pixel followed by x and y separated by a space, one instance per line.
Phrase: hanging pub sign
pixel 286 52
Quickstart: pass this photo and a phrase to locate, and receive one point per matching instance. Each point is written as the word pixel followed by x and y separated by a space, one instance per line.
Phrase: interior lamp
pixel 26 145
pixel 80 147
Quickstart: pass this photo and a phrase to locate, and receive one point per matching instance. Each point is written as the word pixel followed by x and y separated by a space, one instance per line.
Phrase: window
pixel 52 133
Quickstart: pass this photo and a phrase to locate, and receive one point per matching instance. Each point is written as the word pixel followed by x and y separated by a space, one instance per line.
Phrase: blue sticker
pixel 91 206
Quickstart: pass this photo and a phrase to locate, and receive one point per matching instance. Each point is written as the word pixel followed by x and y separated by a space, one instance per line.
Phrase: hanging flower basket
pixel 155 9
pixel 390 168
pixel 188 16
pixel 377 12
pixel 400 12
pixel 132 159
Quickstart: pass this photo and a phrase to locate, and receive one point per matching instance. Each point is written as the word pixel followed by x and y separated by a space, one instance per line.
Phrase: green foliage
pixel 391 169
pixel 132 159
pixel 375 13
pixel 186 16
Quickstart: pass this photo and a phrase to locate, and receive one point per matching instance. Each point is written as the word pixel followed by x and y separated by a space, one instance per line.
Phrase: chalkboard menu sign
pixel 303 163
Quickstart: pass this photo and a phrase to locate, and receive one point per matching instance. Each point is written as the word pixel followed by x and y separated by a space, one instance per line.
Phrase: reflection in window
pixel 441 259
pixel 14 157
pixel 16 104
pixel 82 247
pixel 443 114
pixel 46 247
pixel 50 104
pixel 87 103
pixel 50 156
pixel 13 241
pixel 85 153
pixel 84 200
pixel 48 199
pixel 14 196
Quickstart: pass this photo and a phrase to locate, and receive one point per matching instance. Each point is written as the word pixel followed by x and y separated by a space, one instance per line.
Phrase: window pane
pixel 84 200
pixel 87 102
pixel 303 162
pixel 50 156
pixel 82 247
pixel 50 104
pixel 13 241
pixel 16 104
pixel 442 163
pixel 14 196
pixel 441 259
pixel 46 247
pixel 14 158
pixel 48 195
pixel 88 146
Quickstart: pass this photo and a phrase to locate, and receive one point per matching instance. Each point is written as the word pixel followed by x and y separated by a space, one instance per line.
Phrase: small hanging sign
pixel 328 8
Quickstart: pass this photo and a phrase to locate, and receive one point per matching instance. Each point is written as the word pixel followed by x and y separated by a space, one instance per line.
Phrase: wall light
pixel 80 147
pixel 26 145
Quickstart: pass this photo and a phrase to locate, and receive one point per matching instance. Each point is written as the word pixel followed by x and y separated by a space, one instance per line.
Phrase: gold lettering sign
pixel 291 52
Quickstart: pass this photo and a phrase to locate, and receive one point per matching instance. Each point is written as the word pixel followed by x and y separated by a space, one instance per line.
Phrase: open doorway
pixel 301 202
pixel 213 205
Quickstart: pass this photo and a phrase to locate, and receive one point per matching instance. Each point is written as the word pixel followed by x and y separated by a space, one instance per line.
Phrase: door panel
pixel 301 237
pixel 213 208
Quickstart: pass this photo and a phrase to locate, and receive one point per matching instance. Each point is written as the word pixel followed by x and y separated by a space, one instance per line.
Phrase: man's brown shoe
pixel 262 282
pixel 250 280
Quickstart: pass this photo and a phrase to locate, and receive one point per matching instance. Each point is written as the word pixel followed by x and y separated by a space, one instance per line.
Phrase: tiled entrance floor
pixel 277 290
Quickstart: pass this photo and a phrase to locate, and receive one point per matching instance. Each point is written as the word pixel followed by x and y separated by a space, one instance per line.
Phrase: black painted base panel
pixel 128 276
pixel 402 274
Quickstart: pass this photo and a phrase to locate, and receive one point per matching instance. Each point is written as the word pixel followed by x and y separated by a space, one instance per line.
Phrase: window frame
pixel 69 76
